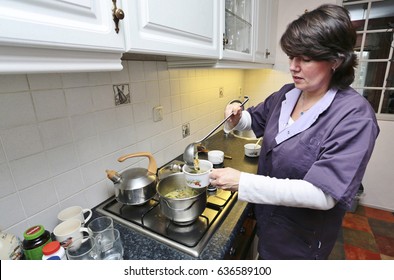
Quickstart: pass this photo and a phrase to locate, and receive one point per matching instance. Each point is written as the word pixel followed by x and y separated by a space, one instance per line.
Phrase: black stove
pixel 149 220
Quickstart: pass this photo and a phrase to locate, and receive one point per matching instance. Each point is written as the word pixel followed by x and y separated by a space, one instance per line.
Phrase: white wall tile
pixel 21 141
pixel 11 211
pixel 99 78
pixel 83 126
pixel 45 81
pixel 79 101
pixel 62 159
pixel 136 72
pixel 88 149
pixel 137 92
pixel 103 97
pixel 121 77
pixel 150 71
pixel 7 186
pixel 49 104
pixel 13 83
pixel 124 116
pixel 46 218
pixel 106 120
pixel 38 197
pixel 93 172
pixel 55 133
pixel 68 184
pixel 2 154
pixel 16 109
pixel 162 72
pixel 72 80
pixel 30 170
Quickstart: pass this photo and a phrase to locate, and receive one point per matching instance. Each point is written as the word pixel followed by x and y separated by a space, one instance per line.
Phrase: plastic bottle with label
pixel 53 251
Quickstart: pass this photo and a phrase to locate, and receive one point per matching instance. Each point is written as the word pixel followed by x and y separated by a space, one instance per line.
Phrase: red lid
pixel 51 248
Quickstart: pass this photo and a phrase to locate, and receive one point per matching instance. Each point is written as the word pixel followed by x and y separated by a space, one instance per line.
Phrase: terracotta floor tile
pixel 385 245
pixel 360 239
pixel 379 214
pixel 356 253
pixel 382 228
pixel 356 221
pixel 384 257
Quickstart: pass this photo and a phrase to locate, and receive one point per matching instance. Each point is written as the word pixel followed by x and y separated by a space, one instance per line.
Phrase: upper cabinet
pixel 58 35
pixel 250 30
pixel 173 27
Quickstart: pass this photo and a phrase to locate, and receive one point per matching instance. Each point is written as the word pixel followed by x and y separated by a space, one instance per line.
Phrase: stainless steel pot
pixel 135 186
pixel 181 211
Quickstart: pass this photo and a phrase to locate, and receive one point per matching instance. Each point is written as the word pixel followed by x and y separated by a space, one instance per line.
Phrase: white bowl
pixel 200 179
pixel 252 150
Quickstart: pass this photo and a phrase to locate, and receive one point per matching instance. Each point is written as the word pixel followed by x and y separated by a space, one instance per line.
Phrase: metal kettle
pixel 135 186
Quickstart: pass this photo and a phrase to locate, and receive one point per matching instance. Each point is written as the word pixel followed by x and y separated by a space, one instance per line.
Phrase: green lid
pixel 34 232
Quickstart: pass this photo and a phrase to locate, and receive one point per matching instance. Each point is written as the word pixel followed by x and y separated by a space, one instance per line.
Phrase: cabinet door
pixel 67 24
pixel 173 27
pixel 240 16
pixel 58 36
pixel 265 31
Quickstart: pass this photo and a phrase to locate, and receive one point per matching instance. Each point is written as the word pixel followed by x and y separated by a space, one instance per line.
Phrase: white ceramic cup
pixel 216 156
pixel 198 179
pixel 75 212
pixel 68 231
pixel 100 224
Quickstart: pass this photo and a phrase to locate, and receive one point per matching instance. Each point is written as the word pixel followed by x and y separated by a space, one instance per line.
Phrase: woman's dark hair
pixel 325 33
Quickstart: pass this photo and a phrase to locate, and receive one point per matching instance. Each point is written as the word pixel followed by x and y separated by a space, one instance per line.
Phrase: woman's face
pixel 311 76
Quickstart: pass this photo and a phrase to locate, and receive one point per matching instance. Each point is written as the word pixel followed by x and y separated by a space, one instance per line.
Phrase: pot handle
pixel 152 167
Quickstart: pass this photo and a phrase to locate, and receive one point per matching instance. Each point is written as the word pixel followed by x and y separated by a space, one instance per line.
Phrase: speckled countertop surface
pixel 139 246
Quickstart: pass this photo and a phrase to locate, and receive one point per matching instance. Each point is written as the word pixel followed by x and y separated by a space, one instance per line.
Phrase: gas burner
pixel 189 238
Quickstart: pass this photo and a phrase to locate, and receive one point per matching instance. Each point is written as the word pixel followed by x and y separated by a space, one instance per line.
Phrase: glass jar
pixel 35 239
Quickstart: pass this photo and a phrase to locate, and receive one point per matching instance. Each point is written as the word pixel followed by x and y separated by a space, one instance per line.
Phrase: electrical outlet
pixel 185 130
pixel 157 113
pixel 221 92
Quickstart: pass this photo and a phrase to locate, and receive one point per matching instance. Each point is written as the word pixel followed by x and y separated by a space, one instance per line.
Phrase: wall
pixel 60 132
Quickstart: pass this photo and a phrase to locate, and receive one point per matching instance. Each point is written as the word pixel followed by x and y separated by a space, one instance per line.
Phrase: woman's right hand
pixel 235 110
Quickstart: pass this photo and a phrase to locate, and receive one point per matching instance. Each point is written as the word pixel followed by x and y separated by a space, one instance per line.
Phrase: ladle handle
pixel 223 121
pixel 152 167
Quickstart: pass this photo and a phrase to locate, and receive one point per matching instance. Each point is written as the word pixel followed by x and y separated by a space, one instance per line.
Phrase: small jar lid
pixel 50 248
pixel 33 232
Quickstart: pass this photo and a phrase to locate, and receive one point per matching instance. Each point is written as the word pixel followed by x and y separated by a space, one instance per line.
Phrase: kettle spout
pixel 113 176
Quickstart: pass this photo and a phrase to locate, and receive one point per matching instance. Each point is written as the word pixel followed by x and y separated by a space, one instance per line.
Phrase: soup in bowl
pixel 198 178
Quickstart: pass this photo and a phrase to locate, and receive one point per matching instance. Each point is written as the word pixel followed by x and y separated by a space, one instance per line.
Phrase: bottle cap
pixel 33 232
pixel 50 248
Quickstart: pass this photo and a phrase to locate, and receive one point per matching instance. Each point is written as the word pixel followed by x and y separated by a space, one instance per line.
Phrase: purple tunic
pixel 329 146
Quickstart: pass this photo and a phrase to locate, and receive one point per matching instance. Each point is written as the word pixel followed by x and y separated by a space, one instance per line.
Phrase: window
pixel 374 77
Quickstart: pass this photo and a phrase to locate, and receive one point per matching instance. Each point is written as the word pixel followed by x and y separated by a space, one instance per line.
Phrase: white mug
pixel 68 231
pixel 75 212
pixel 198 179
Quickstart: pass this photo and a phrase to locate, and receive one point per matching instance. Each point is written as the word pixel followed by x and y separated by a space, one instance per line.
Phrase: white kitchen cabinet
pixel 58 35
pixel 173 27
pixel 248 30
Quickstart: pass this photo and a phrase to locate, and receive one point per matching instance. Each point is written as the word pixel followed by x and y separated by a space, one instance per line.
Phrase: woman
pixel 319 134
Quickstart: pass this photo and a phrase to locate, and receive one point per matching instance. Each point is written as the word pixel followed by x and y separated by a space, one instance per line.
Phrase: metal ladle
pixel 191 151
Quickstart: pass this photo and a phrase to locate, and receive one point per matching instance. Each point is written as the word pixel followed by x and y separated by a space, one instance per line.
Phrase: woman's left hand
pixel 225 178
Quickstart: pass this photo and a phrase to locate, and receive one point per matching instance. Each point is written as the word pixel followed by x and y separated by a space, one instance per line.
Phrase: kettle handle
pixel 152 167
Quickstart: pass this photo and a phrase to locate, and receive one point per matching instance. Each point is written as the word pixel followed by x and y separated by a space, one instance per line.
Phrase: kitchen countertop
pixel 139 246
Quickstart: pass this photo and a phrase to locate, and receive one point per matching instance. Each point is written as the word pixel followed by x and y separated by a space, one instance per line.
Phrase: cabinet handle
pixel 117 14
pixel 267 53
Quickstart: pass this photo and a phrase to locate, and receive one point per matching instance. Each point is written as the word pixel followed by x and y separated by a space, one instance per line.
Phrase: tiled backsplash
pixel 59 132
